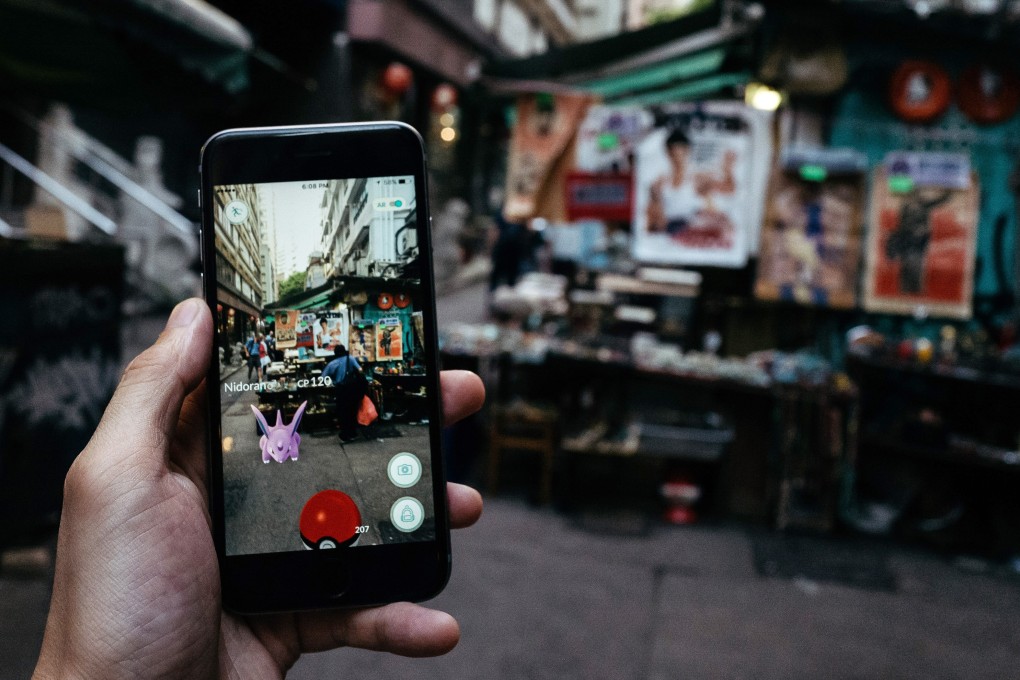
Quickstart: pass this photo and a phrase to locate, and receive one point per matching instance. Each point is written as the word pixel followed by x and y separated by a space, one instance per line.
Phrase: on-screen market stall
pixel 376 320
pixel 778 263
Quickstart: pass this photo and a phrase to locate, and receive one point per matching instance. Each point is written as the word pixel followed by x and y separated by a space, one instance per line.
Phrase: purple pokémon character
pixel 280 441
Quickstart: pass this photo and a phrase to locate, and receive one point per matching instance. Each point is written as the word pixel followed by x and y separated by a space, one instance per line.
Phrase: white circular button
pixel 237 212
pixel 404 470
pixel 407 514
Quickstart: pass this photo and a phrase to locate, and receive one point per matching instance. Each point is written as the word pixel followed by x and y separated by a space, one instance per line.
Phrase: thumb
pixel 139 422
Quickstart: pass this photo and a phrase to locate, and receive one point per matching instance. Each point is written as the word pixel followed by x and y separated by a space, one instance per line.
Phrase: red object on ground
pixel 920 91
pixel 330 519
pixel 680 514
pixel 397 78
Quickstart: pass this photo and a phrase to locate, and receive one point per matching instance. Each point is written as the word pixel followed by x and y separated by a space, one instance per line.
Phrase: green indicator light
pixel 608 141
pixel 397 203
pixel 813 173
pixel 901 184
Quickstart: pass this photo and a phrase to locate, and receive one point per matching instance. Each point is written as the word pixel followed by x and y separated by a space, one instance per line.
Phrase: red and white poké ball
pixel 330 519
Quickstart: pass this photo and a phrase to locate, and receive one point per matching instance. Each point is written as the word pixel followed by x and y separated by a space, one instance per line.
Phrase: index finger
pixel 463 394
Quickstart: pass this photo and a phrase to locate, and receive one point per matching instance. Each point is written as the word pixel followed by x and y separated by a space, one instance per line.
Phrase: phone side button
pixel 333 576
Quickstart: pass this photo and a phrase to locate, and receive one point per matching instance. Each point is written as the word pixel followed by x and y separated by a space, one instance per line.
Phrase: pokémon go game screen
pixel 323 383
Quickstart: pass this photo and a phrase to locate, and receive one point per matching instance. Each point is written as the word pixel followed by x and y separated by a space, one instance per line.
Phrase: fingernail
pixel 183 314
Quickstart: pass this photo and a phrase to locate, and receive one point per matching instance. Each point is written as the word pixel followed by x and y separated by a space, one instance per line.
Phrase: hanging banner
pixel 389 339
pixel 362 336
pixel 286 328
pixel 599 196
pixel 329 330
pixel 545 126
pixel 692 187
pixel 922 235
pixel 811 240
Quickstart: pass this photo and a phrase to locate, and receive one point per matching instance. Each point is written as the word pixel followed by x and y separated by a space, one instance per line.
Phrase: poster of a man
pixel 362 341
pixel 330 330
pixel 811 238
pixel 691 192
pixel 922 236
pixel 389 339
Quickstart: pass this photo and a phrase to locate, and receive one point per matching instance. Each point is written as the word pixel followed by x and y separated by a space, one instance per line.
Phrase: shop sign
pixel 599 196
pixel 945 170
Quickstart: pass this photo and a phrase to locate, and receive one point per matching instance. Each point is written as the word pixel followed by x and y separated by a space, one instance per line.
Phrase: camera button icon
pixel 404 470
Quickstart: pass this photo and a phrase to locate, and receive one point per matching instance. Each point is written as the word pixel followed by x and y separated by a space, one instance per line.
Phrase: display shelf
pixel 963 374
pixel 992 458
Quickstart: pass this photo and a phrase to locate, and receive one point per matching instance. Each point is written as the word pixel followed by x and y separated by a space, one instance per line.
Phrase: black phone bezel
pixel 355 576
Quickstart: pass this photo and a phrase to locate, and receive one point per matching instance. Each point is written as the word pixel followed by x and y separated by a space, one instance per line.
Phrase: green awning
pixel 316 300
pixel 693 90
pixel 659 75
pixel 121 51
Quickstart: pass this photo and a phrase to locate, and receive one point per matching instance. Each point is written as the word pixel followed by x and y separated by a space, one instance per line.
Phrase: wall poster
pixel 329 330
pixel 811 238
pixel 286 328
pixel 692 192
pixel 922 235
pixel 362 346
pixel 389 339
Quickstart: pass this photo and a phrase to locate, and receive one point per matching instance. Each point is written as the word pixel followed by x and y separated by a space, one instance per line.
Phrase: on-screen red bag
pixel 367 413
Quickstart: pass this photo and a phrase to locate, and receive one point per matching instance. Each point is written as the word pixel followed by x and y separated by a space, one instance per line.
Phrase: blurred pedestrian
pixel 262 356
pixel 508 251
pixel 349 389
pixel 251 354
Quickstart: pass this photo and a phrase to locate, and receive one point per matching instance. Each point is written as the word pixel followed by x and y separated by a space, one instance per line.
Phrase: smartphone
pixel 326 482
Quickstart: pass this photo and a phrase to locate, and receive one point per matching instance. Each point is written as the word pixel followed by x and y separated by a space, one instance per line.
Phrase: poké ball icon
pixel 330 519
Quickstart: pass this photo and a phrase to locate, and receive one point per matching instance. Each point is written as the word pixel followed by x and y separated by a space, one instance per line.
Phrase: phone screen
pixel 324 400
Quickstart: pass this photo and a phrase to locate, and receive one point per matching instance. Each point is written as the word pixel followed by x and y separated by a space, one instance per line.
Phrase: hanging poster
pixel 608 136
pixel 329 330
pixel 692 188
pixel 545 126
pixel 389 336
pixel 362 346
pixel 286 328
pixel 418 322
pixel 305 333
pixel 811 239
pixel 922 235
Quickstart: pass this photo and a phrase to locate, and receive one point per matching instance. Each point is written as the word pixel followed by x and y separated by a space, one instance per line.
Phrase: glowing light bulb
pixel 762 97
pixel 447 134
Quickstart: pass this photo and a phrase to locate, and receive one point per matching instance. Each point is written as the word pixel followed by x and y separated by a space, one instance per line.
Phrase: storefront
pixel 787 279
pixel 375 320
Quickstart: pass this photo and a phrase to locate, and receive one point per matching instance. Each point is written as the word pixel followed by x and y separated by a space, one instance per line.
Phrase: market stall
pixel 376 322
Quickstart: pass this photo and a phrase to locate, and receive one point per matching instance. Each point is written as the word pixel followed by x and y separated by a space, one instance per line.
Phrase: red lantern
pixel 989 95
pixel 920 91
pixel 444 96
pixel 397 78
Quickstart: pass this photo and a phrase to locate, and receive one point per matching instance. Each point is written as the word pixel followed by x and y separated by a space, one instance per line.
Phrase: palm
pixel 137 591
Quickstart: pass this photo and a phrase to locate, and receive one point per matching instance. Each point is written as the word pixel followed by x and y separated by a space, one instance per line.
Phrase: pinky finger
pixel 402 628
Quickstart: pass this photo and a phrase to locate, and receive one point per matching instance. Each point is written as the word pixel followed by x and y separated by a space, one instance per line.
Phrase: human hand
pixel 137 593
